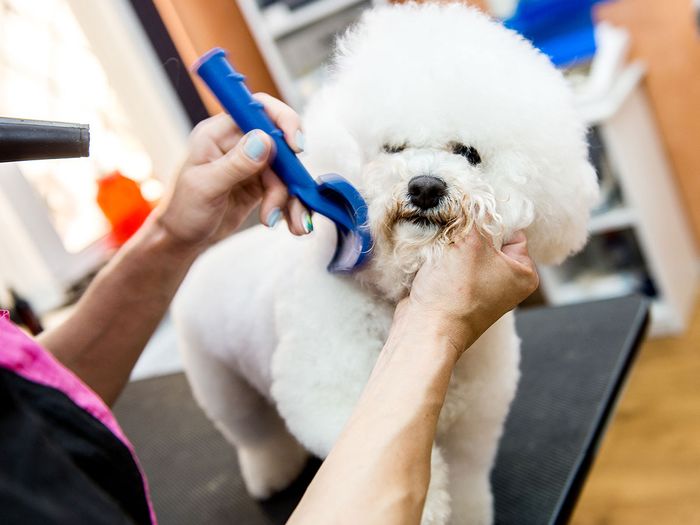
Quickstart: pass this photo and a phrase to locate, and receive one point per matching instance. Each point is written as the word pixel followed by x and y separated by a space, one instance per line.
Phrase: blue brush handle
pixel 229 87
pixel 333 197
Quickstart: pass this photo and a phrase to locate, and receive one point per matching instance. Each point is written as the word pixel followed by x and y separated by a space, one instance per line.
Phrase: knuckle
pixel 238 164
pixel 534 281
pixel 198 132
pixel 262 94
pixel 289 114
pixel 202 127
pixel 204 130
pixel 284 112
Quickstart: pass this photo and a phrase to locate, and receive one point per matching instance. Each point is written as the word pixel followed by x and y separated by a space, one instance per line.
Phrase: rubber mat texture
pixel 574 362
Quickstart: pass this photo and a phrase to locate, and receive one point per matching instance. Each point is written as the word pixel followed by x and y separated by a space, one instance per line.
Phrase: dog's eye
pixel 391 148
pixel 468 152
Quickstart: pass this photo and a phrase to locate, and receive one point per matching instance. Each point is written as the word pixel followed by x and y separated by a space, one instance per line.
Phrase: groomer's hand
pixel 226 175
pixel 471 286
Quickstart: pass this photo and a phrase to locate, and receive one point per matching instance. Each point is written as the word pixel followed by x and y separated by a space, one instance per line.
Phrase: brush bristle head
pixel 352 250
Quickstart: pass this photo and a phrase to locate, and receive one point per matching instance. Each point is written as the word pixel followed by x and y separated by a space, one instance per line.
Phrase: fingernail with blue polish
pixel 299 140
pixel 306 222
pixel 254 146
pixel 273 217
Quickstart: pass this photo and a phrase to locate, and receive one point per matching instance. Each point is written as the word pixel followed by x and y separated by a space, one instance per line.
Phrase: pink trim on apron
pixel 23 356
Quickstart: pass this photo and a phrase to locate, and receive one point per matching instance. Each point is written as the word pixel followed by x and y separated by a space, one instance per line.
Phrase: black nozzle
pixel 22 139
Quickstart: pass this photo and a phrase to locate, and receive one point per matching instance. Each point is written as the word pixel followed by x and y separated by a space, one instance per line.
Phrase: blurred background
pixel 122 67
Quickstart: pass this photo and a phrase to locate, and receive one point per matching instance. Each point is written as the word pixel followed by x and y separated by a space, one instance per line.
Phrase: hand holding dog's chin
pixel 461 294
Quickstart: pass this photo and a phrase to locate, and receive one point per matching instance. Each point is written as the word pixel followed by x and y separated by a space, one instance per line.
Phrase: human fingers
pixel 284 118
pixel 213 137
pixel 298 218
pixel 248 158
pixel 472 247
pixel 511 266
pixel 515 250
pixel 274 200
pixel 516 247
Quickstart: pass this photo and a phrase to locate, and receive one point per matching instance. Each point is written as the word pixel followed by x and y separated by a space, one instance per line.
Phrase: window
pixel 49 72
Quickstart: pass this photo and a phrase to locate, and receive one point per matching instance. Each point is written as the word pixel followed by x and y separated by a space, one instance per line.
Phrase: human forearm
pixel 379 470
pixel 119 312
pixel 223 179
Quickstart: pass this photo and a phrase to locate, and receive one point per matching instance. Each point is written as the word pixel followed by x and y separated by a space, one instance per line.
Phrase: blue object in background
pixel 561 29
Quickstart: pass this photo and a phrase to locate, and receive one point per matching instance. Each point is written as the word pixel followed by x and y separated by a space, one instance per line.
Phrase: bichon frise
pixel 444 120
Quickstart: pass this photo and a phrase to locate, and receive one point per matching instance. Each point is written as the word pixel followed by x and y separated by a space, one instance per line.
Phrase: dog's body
pixel 420 118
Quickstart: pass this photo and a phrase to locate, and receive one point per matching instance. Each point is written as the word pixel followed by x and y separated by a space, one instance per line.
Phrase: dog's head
pixel 445 120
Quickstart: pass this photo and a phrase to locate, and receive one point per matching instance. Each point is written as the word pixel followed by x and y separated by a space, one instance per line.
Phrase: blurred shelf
pixel 594 111
pixel 664 319
pixel 281 20
pixel 592 287
pixel 588 287
pixel 614 219
pixel 630 249
pixel 297 42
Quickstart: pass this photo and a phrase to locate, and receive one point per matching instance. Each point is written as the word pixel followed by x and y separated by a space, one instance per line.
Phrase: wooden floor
pixel 648 468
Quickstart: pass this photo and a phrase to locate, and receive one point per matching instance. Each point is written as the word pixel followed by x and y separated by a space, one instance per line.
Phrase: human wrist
pixel 169 241
pixel 154 246
pixel 448 334
pixel 179 228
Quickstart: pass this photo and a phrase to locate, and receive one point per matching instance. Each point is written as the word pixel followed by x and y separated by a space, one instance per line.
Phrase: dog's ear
pixel 561 210
pixel 330 146
pixel 547 194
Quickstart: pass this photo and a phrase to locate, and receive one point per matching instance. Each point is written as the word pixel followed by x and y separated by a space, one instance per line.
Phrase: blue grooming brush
pixel 333 197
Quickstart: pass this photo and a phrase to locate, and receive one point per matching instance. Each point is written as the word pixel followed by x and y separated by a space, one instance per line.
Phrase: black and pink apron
pixel 63 456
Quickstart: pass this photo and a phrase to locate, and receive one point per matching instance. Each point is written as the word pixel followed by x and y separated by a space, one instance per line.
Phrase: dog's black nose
pixel 426 191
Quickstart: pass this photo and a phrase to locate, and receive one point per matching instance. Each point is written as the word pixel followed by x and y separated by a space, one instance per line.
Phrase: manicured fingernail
pixel 273 217
pixel 306 222
pixel 299 140
pixel 254 146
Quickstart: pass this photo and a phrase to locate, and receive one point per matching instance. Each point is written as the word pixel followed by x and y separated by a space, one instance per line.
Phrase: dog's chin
pixel 401 249
pixel 404 240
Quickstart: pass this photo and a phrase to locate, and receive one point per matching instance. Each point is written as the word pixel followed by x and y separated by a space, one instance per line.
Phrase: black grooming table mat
pixel 575 359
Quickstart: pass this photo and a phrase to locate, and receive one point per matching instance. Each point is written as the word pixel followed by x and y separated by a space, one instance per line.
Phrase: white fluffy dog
pixel 444 120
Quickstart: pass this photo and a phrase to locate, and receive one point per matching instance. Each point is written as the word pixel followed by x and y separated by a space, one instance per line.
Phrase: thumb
pixel 515 251
pixel 246 159
pixel 516 248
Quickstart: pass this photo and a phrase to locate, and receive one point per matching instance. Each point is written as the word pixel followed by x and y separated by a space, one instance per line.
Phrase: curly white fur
pixel 283 349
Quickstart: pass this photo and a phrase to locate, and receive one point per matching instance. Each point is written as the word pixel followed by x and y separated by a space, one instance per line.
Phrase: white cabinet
pixel 639 237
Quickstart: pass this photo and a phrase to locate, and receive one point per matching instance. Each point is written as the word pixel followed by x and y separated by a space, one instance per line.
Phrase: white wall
pixel 138 79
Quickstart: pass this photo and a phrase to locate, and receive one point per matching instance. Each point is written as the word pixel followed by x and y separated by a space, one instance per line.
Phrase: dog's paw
pixel 271 466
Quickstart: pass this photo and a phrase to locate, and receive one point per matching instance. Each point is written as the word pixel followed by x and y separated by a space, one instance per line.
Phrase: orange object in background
pixel 120 199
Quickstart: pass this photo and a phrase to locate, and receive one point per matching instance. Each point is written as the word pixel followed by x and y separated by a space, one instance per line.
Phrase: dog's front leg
pixel 268 456
pixel 484 385
pixel 329 331
pixel 436 510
